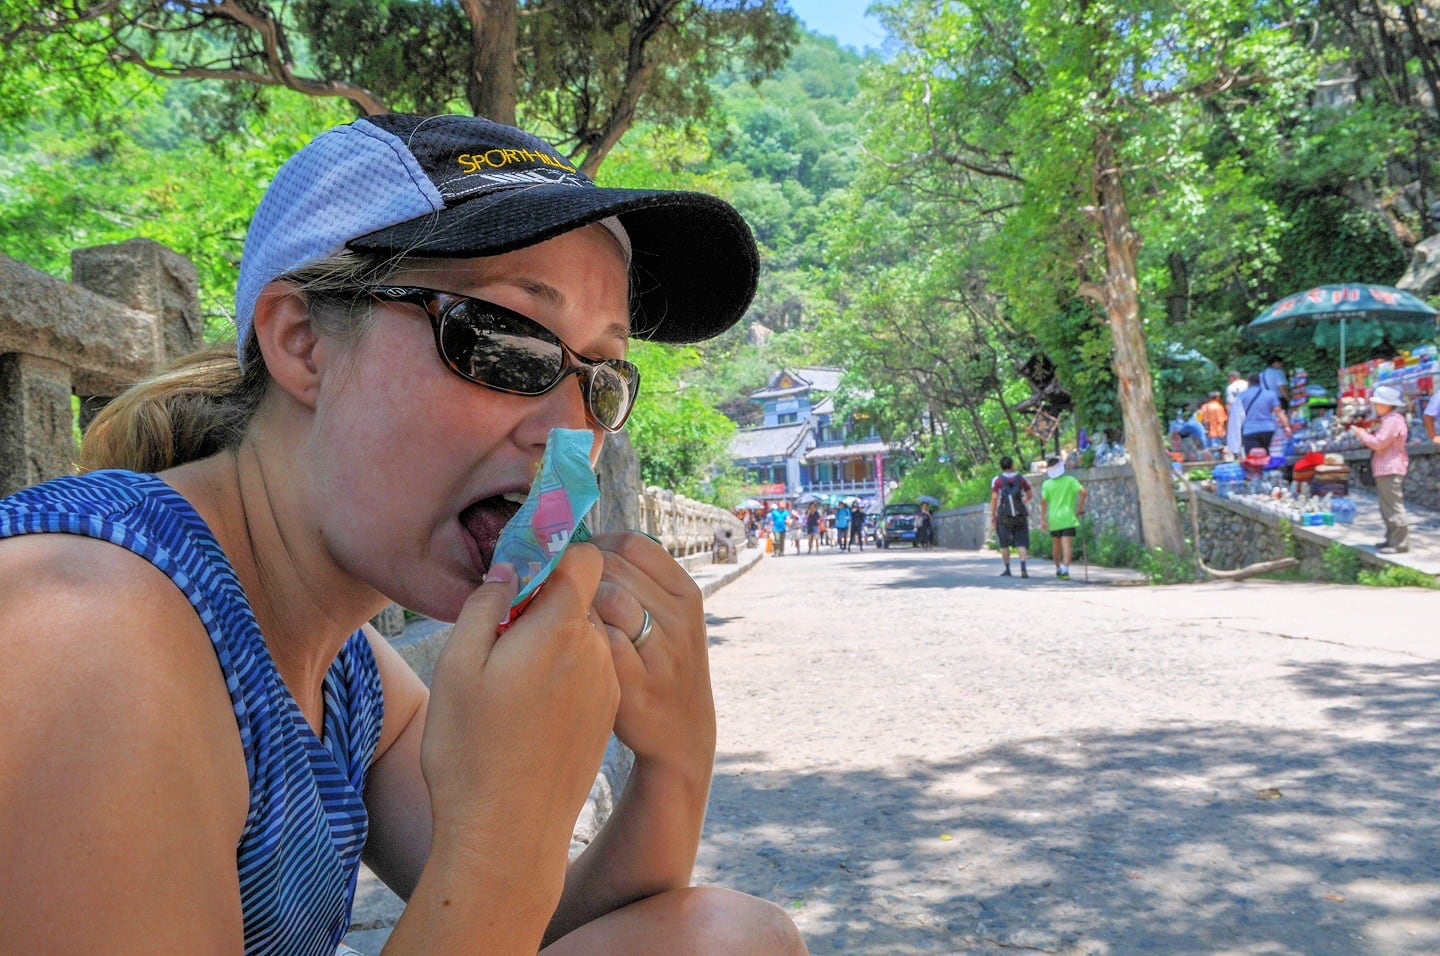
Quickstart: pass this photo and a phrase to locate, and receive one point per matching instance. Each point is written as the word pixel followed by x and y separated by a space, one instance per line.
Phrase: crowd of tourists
pixel 809 528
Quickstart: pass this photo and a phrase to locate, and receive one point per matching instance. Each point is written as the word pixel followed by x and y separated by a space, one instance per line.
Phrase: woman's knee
pixel 697 921
pixel 726 921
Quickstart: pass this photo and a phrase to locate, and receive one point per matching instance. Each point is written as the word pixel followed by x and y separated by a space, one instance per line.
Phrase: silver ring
pixel 639 639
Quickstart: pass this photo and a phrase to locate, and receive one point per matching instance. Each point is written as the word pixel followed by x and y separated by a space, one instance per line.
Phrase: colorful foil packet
pixel 552 517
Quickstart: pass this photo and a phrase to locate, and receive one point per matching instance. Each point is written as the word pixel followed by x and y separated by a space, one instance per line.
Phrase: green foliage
pixel 585 69
pixel 1288 539
pixel 1340 563
pixel 1398 576
pixel 149 172
pixel 939 480
pixel 683 443
pixel 1106 548
pixel 1167 567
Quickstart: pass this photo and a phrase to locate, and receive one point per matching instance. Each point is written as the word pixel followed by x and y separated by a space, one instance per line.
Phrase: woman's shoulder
pixel 81 599
pixel 88 628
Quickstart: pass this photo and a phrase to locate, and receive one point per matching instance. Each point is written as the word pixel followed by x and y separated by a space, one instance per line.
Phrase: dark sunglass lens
pixel 504 351
pixel 612 392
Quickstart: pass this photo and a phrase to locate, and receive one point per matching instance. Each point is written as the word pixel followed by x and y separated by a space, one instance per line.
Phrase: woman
pixel 414 297
pixel 1389 464
pixel 1263 415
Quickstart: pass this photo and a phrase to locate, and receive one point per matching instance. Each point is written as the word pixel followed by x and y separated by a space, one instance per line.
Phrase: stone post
pixel 59 339
pixel 37 428
pixel 151 278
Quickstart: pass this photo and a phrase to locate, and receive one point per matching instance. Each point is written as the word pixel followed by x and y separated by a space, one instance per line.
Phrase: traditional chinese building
pixel 803 447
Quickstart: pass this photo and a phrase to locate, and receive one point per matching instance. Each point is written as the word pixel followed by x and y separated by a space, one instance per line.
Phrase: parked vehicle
pixel 897 523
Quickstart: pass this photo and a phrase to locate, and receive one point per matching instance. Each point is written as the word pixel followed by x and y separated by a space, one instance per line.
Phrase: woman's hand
pixel 518 725
pixel 667 713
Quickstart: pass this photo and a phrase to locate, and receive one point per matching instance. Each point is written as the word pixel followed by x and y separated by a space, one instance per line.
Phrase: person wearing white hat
pixel 1389 463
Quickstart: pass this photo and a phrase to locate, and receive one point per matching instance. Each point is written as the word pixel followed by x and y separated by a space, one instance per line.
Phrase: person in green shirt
pixel 1062 503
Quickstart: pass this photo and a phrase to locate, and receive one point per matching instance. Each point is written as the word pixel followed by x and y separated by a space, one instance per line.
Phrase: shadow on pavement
pixel 1183 839
pixel 936 570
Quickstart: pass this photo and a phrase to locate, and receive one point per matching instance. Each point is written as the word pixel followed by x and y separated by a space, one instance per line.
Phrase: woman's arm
pixel 667 717
pixel 121 771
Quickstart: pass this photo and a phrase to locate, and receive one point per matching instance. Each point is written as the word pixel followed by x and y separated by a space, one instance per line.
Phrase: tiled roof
pixel 862 449
pixel 780 441
pixel 824 380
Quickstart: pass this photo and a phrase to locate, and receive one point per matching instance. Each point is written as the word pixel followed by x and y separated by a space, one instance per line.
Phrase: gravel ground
pixel 917 756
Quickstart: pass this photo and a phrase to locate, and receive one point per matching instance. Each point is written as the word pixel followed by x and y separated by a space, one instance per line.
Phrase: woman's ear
pixel 287 339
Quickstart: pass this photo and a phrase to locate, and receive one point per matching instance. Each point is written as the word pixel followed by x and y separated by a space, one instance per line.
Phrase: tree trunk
pixel 1144 442
pixel 491 89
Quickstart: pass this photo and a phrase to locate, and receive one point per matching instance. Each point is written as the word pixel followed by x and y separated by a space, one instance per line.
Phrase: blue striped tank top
pixel 299 855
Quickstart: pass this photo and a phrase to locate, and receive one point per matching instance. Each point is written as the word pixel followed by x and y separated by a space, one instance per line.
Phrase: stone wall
pixel 965 529
pixel 1233 535
pixel 1113 502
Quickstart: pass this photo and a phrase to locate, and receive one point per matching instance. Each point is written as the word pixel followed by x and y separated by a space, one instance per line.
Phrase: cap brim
pixel 694 264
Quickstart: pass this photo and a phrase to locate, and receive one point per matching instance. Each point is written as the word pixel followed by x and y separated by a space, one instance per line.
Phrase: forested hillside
pixel 935 220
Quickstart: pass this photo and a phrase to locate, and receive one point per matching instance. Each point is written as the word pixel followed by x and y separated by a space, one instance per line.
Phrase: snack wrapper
pixel 552 516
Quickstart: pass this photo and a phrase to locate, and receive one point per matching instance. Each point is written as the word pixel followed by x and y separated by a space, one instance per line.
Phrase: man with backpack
pixel 1010 497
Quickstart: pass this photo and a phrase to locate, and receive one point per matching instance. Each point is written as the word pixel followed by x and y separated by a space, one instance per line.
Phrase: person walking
pixel 779 524
pixel 1273 377
pixel 202 732
pixel 1235 414
pixel 1431 415
pixel 842 526
pixel 1062 505
pixel 857 527
pixel 812 528
pixel 924 527
pixel 1389 463
pixel 1010 499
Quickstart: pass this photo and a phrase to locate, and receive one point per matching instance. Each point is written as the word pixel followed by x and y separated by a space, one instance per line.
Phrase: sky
pixel 845 20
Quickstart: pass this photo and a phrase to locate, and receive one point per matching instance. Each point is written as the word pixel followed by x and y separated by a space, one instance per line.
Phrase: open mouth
pixel 485 519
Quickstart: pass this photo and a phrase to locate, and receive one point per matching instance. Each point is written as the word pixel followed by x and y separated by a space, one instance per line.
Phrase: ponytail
pixel 194 408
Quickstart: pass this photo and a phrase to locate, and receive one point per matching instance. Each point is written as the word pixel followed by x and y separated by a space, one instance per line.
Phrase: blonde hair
pixel 202 404
pixel 192 409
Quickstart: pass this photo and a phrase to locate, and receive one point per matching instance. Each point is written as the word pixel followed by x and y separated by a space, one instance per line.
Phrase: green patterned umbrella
pixel 1337 316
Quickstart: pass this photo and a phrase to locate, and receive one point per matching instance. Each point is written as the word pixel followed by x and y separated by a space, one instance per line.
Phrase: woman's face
pixel 418 469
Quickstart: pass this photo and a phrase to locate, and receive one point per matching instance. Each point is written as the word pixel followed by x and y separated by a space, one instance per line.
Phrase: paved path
pixel 917 756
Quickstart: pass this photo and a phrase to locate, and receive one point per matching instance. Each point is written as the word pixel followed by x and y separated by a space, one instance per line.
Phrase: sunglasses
pixel 498 348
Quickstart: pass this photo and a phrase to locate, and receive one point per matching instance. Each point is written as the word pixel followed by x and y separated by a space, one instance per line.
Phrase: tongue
pixel 484 520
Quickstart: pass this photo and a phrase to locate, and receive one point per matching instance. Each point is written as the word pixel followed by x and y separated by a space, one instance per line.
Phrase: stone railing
pixel 131 307
pixel 685 527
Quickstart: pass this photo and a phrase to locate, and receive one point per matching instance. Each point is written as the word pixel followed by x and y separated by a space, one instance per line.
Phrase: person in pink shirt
pixel 1389 462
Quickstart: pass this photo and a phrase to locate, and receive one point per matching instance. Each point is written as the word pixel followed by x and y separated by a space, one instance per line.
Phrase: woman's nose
pixel 561 407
